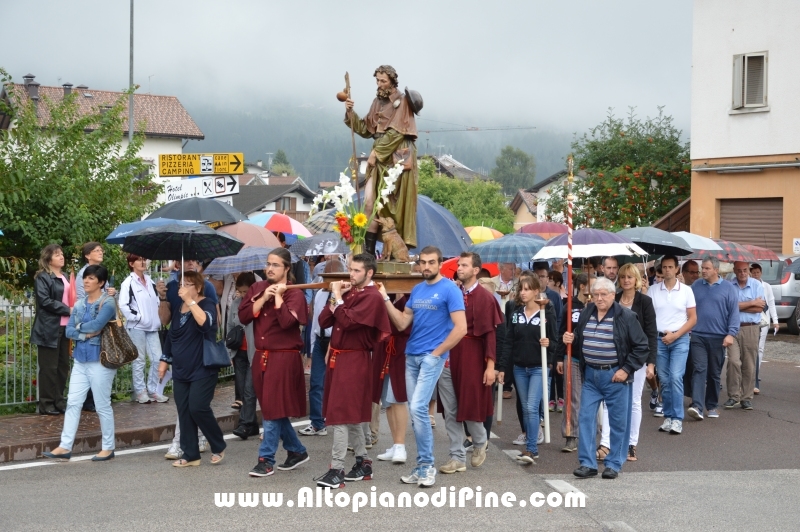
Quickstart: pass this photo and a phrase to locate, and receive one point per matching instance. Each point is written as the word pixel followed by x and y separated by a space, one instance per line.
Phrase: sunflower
pixel 360 219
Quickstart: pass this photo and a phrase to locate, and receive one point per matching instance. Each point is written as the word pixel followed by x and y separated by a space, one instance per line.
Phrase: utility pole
pixel 130 85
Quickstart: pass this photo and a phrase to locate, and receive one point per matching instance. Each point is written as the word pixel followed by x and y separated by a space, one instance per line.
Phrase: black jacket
pixel 520 345
pixel 643 308
pixel 577 307
pixel 48 291
pixel 629 339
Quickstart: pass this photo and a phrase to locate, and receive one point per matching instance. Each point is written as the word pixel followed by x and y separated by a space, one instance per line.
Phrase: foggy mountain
pixel 318 143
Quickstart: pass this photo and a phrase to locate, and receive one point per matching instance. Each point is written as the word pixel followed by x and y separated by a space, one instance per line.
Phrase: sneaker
pixel 522 439
pixel 747 405
pixel 427 476
pixel 479 455
pixel 666 425
pixel 571 446
pixel 551 406
pixel 730 403
pixel 413 478
pixel 174 452
pixel 677 426
pixel 202 444
pixel 262 469
pixel 540 439
pixel 453 466
pixel 158 398
pixel 293 460
pixel 311 431
pixel 526 457
pixel 369 441
pixel 399 454
pixel 143 398
pixel 658 411
pixel 653 399
pixel 388 455
pixel 560 405
pixel 333 479
pixel 695 413
pixel 713 413
pixel 632 453
pixel 362 470
pixel 468 445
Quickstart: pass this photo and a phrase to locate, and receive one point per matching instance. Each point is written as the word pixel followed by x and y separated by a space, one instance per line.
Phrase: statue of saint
pixel 390 123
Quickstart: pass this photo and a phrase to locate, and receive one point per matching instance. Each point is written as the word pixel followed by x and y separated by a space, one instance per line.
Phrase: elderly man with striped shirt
pixel 611 346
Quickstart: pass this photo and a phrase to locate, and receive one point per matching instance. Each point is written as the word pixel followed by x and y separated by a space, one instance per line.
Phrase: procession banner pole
pixel 354 165
pixel 568 368
pixel 542 302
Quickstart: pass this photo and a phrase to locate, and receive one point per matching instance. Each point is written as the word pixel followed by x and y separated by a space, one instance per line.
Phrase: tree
pixel 281 164
pixel 68 180
pixel 514 170
pixel 635 170
pixel 476 203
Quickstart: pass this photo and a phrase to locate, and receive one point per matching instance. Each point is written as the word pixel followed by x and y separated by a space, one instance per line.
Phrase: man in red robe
pixel 465 387
pixel 359 319
pixel 278 379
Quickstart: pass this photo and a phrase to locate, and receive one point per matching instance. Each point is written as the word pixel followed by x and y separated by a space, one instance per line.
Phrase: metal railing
pixel 19 368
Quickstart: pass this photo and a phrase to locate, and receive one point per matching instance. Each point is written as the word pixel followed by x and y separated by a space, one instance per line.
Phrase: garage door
pixel 758 222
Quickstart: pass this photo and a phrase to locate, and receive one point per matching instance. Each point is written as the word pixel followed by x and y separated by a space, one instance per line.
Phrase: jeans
pixel 317 382
pixel 147 343
pixel 89 376
pixel 708 356
pixel 639 376
pixel 422 373
pixel 529 388
pixel 597 387
pixel 279 429
pixel 193 400
pixel 671 365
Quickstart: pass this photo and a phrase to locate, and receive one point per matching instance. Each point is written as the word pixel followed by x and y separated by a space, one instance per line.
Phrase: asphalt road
pixel 739 472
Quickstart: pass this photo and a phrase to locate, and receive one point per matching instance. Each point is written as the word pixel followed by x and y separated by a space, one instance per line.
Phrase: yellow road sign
pixel 183 164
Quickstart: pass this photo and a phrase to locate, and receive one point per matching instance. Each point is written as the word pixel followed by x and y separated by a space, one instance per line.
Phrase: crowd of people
pixel 447 345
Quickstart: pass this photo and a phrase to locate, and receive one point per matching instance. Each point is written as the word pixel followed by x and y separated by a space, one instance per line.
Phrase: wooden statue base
pixel 397 283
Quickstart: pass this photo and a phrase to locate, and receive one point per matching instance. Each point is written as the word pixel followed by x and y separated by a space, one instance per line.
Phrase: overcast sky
pixel 549 64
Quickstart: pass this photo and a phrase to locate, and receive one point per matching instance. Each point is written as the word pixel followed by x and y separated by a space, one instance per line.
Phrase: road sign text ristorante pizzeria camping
pixel 185 164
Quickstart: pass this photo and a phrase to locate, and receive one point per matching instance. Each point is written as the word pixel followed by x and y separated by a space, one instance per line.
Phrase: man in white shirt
pixel 771 314
pixel 674 304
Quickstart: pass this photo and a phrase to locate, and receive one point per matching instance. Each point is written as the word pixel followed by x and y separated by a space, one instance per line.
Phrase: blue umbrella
pixel 118 235
pixel 436 226
pixel 514 248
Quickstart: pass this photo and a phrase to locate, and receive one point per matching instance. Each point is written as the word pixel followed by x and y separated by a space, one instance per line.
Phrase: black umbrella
pixel 657 242
pixel 205 210
pixel 169 242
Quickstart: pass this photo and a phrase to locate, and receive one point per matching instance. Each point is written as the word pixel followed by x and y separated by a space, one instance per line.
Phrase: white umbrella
pixel 589 243
pixel 698 243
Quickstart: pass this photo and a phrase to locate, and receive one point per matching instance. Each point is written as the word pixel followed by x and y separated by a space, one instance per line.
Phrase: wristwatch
pixel 339 302
pixel 387 298
pixel 192 303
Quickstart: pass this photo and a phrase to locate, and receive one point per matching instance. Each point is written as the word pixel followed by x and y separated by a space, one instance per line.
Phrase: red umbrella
pixel 546 230
pixel 761 253
pixel 284 224
pixel 449 267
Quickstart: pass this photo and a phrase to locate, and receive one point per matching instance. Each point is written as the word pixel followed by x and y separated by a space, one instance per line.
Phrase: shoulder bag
pixel 235 338
pixel 215 355
pixel 116 347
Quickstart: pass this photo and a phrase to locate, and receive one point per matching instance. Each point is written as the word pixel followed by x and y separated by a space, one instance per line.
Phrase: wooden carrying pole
pixel 354 160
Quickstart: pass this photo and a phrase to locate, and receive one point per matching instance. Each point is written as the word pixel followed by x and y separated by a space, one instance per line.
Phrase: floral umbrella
pixel 762 253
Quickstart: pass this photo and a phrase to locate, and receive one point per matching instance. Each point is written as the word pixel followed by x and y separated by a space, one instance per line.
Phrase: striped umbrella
pixel 322 222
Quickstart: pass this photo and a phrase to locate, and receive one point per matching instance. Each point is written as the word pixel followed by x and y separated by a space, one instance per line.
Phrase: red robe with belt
pixel 468 358
pixel 358 324
pixel 389 359
pixel 278 379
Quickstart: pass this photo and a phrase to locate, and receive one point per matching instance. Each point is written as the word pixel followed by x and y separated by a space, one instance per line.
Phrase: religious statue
pixel 390 122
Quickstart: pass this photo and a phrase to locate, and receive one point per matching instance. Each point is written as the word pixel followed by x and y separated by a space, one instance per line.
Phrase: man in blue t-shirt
pixel 436 308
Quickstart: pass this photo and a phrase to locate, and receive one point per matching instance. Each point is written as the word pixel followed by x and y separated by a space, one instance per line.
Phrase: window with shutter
pixel 749 80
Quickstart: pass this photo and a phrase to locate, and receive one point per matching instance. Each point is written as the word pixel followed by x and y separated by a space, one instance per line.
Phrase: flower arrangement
pixel 351 219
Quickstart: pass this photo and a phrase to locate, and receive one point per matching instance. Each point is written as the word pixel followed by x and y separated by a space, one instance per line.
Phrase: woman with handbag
pixel 51 291
pixel 193 325
pixel 89 316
